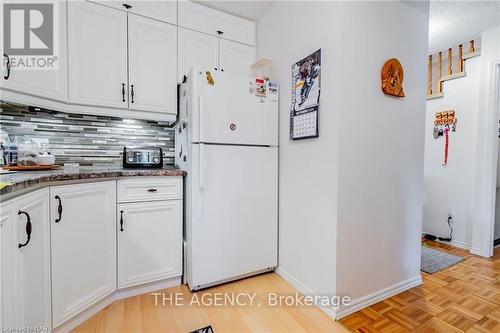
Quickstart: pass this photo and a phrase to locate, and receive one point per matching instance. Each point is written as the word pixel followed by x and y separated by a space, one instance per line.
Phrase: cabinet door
pixel 152 65
pixel 162 10
pixel 235 58
pixel 83 244
pixel 149 241
pixel 97 37
pixel 32 259
pixel 197 49
pixel 8 312
pixel 201 18
pixel 47 83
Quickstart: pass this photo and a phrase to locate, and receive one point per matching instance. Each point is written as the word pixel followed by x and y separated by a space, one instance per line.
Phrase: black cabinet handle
pixel 132 92
pixel 219 32
pixel 126 5
pixel 28 228
pixel 6 77
pixel 121 220
pixel 123 92
pixel 59 209
pixel 152 190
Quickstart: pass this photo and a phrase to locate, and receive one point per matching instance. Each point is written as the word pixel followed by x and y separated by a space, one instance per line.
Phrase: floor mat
pixel 207 329
pixel 433 261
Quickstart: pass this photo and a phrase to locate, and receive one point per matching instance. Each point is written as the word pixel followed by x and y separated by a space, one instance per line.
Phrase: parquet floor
pixel 461 298
pixel 139 314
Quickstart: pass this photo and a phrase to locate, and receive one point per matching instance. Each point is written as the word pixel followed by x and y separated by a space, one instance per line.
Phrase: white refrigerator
pixel 227 141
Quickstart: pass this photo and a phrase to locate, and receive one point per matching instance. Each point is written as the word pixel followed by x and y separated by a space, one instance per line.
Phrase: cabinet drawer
pixel 149 189
pixel 210 21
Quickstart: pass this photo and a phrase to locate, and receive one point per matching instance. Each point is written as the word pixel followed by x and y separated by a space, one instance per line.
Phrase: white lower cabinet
pixel 83 245
pixel 149 241
pixel 25 254
pixel 59 252
pixel 7 276
pixel 32 259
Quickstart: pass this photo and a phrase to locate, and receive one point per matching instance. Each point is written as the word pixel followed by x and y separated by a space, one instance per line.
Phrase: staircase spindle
pixel 449 61
pixel 440 72
pixel 429 70
pixel 460 64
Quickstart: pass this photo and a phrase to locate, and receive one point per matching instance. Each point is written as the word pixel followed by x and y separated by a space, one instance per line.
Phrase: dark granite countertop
pixel 22 180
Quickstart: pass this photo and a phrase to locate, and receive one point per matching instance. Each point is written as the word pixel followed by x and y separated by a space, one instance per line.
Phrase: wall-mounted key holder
pixel 442 119
pixel 444 122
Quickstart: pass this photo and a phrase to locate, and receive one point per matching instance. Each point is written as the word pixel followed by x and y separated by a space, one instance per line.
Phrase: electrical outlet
pixel 450 216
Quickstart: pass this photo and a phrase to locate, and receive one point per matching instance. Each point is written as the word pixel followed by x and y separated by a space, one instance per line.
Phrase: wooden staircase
pixel 450 73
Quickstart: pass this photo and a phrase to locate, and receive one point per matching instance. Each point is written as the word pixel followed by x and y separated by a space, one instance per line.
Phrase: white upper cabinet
pixel 152 65
pixel 32 259
pixel 83 244
pixel 49 84
pixel 197 49
pixel 161 10
pixel 97 37
pixel 214 22
pixel 235 58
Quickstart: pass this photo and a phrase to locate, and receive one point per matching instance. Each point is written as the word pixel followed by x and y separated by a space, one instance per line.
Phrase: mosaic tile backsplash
pixel 85 139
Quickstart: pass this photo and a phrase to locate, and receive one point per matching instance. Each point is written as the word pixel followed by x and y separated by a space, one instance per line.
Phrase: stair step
pixel 471 55
pixel 435 95
pixel 453 76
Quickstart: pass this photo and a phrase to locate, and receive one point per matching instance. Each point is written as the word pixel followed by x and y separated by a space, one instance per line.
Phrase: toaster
pixel 142 157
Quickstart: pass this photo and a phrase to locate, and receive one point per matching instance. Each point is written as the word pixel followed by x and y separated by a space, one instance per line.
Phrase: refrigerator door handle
pixel 201 180
pixel 202 153
pixel 200 123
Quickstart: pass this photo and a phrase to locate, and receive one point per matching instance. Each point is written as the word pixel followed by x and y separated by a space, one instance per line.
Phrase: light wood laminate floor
pixel 462 298
pixel 139 314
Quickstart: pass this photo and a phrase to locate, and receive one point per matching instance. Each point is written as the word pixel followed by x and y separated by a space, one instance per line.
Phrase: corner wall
pixel 351 200
pixel 381 150
pixel 487 124
pixel 286 33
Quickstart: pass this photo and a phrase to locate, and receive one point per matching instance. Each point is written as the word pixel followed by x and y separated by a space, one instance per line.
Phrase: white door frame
pixel 487 172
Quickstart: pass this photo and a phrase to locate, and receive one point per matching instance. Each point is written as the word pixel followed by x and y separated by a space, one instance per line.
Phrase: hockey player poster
pixel 306 88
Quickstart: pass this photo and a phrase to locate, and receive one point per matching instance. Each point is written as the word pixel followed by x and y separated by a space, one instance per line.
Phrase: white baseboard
pixel 477 252
pixel 463 246
pixel 380 295
pixel 81 317
pixel 302 289
pixel 356 304
pixel 147 288
pixel 78 319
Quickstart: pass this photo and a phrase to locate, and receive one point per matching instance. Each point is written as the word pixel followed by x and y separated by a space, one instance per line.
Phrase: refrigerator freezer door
pixel 233 227
pixel 228 113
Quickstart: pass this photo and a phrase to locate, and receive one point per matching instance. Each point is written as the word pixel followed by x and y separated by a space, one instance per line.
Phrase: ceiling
pixel 450 22
pixel 249 9
pixel 454 22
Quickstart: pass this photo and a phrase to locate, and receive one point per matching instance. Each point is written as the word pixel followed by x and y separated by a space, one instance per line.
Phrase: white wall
pixel 350 201
pixel 450 189
pixel 287 32
pixel 381 147
pixel 485 159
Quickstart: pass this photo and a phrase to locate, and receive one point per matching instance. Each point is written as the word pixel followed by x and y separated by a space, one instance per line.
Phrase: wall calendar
pixel 306 88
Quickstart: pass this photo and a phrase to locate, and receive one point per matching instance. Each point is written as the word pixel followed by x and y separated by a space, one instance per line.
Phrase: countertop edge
pixel 37 182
